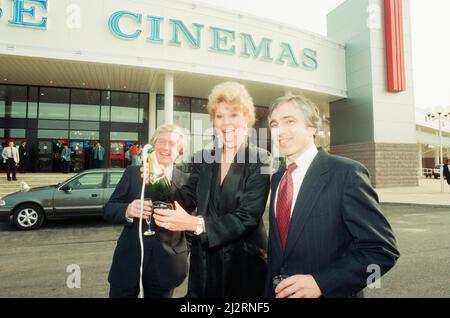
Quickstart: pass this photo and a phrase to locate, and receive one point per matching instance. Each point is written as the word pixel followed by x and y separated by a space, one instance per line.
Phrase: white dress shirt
pixel 303 162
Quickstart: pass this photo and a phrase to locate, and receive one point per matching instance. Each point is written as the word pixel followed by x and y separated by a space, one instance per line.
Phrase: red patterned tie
pixel 284 203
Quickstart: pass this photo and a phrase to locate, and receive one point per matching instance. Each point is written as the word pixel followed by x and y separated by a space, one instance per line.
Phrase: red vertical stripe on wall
pixel 395 55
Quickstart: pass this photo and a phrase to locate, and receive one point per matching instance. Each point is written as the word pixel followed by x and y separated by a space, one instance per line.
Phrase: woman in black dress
pixel 229 185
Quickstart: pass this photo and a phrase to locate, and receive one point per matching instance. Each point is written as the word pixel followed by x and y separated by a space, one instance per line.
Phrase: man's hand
pixel 175 220
pixel 134 209
pixel 298 286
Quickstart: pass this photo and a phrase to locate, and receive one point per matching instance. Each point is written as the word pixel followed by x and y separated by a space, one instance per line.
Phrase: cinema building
pixel 108 70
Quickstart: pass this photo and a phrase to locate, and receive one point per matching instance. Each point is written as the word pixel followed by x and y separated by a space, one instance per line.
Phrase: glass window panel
pixel 84 134
pixel 106 102
pixel 201 124
pixel 105 113
pixel 125 99
pixel 53 124
pixel 12 109
pixel 199 105
pixel 85 97
pixel 141 115
pixel 159 101
pixel 116 149
pixel 117 135
pixel 124 114
pixel 85 104
pixel 114 179
pixel 54 103
pixel 13 101
pixel 53 134
pixel 2 132
pixel 87 125
pixel 261 114
pixel 16 133
pixel 106 98
pixel 182 104
pixel 159 117
pixel 84 112
pixel 182 119
pixel 53 111
pixel 32 110
pixel 32 102
pixel 143 108
pixel 87 181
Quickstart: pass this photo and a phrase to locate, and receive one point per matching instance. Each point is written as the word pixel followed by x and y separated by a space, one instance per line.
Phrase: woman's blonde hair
pixel 172 128
pixel 235 95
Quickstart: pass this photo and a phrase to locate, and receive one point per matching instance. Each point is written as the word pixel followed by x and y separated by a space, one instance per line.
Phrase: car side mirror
pixel 66 188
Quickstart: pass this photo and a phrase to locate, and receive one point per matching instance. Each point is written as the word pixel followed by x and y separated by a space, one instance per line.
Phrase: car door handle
pixel 94 195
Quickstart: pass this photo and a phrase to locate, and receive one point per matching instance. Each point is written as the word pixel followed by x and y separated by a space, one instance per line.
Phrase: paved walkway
pixel 428 192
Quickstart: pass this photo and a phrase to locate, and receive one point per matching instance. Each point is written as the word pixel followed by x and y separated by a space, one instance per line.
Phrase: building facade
pixel 77 71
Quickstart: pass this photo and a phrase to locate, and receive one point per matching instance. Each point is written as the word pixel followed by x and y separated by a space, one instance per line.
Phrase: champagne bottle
pixel 158 186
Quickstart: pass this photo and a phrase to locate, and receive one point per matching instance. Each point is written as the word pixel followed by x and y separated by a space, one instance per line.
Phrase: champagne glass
pixel 149 231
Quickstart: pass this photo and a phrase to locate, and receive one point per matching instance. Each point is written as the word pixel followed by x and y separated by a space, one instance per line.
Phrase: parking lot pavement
pixel 34 264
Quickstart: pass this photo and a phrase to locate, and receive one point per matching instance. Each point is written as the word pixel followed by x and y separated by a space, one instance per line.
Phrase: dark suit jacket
pixel 168 249
pixel 233 250
pixel 446 171
pixel 22 153
pixel 336 231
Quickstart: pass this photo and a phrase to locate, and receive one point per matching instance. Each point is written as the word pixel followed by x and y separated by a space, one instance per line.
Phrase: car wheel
pixel 28 216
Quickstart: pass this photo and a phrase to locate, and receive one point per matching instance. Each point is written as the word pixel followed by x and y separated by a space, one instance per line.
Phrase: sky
pixel 430 27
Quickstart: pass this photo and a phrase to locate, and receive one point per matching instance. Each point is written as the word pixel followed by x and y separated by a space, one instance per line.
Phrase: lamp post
pixel 440 115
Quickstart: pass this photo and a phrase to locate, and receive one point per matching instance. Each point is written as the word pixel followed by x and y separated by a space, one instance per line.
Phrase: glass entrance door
pixel 117 154
pixel 49 155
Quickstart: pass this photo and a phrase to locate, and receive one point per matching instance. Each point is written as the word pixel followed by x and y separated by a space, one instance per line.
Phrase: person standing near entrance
pixel 23 157
pixel 88 156
pixel 11 159
pixel 135 154
pixel 66 158
pixel 327 234
pixel 99 153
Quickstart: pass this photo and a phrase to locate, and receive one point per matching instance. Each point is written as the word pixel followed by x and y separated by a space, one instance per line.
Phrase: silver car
pixel 85 194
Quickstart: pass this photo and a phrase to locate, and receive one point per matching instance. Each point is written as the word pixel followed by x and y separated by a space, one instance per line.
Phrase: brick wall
pixel 390 165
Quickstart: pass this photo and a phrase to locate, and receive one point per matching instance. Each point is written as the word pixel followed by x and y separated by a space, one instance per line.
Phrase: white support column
pixel 168 98
pixel 436 155
pixel 420 160
pixel 151 115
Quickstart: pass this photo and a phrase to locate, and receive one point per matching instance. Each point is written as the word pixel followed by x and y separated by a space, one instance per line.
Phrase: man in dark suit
pixel 327 233
pixel 446 171
pixel 23 156
pixel 165 254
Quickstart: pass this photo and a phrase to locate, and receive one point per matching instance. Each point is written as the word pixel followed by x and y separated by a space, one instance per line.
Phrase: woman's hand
pixel 175 220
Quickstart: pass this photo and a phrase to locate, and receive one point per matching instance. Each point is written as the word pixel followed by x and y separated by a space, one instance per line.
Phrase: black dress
pixel 230 259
